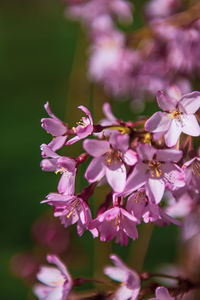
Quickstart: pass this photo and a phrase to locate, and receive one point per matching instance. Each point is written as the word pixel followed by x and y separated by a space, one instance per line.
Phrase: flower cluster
pixel 57 283
pixel 144 163
pixel 138 66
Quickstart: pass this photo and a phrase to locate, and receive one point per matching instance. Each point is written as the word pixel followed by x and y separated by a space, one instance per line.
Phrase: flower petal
pixel 130 157
pixel 155 189
pixel 49 276
pixel 137 178
pixel 87 112
pixel 163 294
pixel 116 273
pixel 54 126
pixel 95 170
pixel 172 135
pixel 145 151
pixel 48 151
pixel 159 122
pixel 190 103
pixel 96 148
pixel 53 259
pixel 57 142
pixel 166 102
pixel 108 112
pixel 190 125
pixel 169 155
pixel 116 176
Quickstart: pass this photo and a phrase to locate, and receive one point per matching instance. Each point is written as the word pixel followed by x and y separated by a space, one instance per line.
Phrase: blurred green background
pixel 41 59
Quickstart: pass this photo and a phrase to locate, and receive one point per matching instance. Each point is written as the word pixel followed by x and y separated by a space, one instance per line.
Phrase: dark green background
pixel 37 46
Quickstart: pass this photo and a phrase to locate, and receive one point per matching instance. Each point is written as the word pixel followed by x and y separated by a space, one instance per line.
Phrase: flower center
pixel 75 207
pixel 175 115
pixel 113 156
pixel 140 198
pixel 154 167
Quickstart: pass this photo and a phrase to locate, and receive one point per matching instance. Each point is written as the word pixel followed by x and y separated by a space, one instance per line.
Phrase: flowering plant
pixel 151 166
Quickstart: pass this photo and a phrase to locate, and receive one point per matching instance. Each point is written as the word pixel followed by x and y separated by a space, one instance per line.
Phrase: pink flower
pixel 155 169
pixel 57 281
pixel 70 209
pixel 162 294
pixel 60 164
pixel 56 128
pixel 179 117
pixel 139 206
pixel 115 222
pixel 84 128
pixel 110 159
pixel 130 280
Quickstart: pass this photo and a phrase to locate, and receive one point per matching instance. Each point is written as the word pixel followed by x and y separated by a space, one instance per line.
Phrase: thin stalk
pixel 140 247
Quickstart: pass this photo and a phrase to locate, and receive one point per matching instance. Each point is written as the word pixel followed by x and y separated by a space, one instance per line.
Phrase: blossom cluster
pixel 149 165
pixel 58 284
pixel 136 65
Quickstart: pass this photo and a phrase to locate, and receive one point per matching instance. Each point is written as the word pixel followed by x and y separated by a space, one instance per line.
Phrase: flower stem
pixel 140 247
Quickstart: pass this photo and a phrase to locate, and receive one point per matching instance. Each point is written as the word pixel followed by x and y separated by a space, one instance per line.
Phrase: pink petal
pixel 54 126
pixel 137 178
pixel 55 294
pixel 130 157
pixel 53 259
pixel 48 110
pixel 190 103
pixel 83 132
pixel 123 142
pixel 66 184
pixel 163 294
pixel 166 102
pixel 145 151
pixel 116 176
pixel 116 273
pixel 190 125
pixel 87 112
pixel 130 229
pixel 67 163
pixel 48 151
pixel 172 135
pixel 124 293
pixel 96 148
pixel 57 142
pixel 49 165
pixel 155 189
pixel 72 140
pixel 108 112
pixel 169 155
pixel 95 170
pixel 41 291
pixel 49 276
pixel 159 122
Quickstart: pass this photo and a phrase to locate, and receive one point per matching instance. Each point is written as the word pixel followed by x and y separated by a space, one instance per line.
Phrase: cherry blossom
pixel 56 281
pixel 109 160
pixel 84 128
pixel 155 169
pixel 179 117
pixel 130 280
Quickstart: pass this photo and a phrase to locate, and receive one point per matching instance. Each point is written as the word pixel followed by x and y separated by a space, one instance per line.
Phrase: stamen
pixel 75 207
pixel 175 115
pixel 113 155
pixel 117 221
pixel 155 168
pixel 61 171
